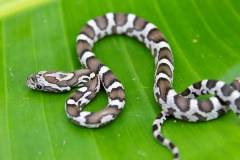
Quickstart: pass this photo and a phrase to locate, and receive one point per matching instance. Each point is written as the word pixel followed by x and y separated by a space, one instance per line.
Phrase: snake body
pixel 184 106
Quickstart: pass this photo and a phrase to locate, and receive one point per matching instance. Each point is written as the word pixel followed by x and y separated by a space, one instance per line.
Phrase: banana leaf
pixel 40 35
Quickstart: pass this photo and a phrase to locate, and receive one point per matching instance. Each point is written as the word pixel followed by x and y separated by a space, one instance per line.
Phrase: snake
pixel 94 74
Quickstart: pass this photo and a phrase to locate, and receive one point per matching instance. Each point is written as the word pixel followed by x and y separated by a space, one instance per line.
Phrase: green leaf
pixel 40 35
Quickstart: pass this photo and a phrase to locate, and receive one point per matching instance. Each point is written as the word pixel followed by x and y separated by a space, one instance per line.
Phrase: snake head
pixel 36 81
pixel 49 81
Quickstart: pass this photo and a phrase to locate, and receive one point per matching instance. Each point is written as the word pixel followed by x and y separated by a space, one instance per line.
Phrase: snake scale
pixel 184 106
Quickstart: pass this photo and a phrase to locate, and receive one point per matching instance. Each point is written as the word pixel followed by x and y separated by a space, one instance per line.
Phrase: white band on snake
pixel 184 106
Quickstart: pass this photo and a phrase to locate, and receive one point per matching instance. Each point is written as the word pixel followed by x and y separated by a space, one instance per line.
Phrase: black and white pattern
pixel 182 106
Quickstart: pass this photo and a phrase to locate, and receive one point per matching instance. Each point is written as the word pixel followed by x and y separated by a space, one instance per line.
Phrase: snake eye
pixel 39 86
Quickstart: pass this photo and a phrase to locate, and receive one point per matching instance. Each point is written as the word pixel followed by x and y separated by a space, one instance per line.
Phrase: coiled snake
pixel 182 106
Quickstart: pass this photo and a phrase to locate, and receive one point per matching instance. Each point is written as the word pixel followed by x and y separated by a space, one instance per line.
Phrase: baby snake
pixel 184 106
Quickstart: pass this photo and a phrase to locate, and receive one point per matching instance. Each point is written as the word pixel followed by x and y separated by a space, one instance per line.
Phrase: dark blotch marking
pixel 88 30
pixel 165 53
pixel 164 68
pixel 186 92
pixel 176 155
pixel 109 78
pixel 93 64
pixel 164 86
pixel 182 103
pixel 197 85
pixel 205 106
pixel 139 23
pixel 51 79
pixel 171 145
pixel 117 93
pixel 154 127
pixel 120 19
pixel 160 138
pixel 155 35
pixel 221 112
pixel 73 110
pixel 83 46
pixel 227 90
pixel 101 22
pixel 211 84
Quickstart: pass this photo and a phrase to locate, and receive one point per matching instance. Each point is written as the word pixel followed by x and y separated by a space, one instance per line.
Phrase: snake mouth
pixel 30 82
